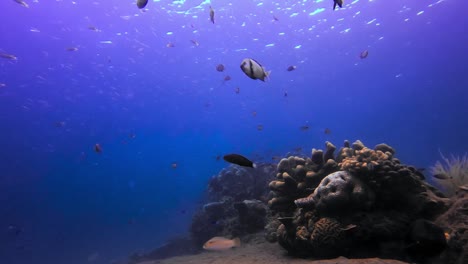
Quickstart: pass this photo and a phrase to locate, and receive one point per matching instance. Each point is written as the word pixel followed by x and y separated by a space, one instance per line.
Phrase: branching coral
pixel 451 173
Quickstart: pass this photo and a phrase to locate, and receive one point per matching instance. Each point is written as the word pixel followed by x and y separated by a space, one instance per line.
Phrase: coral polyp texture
pixel 359 202
pixel 451 174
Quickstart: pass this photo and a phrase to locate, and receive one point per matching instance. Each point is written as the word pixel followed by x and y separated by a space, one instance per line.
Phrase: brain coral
pixel 337 193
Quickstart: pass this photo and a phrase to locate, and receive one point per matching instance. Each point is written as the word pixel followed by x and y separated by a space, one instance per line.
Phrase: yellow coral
pixel 451 174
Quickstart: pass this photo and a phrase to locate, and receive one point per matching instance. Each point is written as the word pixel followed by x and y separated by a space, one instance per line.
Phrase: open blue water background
pixel 149 106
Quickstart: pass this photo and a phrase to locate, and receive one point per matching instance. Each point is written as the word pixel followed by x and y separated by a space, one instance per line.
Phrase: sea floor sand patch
pixel 259 252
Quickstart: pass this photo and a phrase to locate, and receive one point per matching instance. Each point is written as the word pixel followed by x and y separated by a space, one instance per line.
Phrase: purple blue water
pixel 101 72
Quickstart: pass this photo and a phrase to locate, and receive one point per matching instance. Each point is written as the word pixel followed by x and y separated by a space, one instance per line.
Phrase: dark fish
pixel 260 127
pixel 364 54
pixel 174 165
pixel 441 176
pixel 291 68
pixel 132 135
pixel 72 49
pixel 93 28
pixel 220 67
pixel 170 45
pixel 195 43
pixel 275 18
pixel 254 113
pixel 327 131
pixel 239 160
pixel 304 128
pixel 227 78
pixel 8 56
pixel 218 157
pixel 337 2
pixel 21 2
pixel 141 3
pixel 97 148
pixel 286 94
pixel 237 90
pixel 211 15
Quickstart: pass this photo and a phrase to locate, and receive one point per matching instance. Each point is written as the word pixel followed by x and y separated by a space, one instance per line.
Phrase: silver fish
pixel 253 69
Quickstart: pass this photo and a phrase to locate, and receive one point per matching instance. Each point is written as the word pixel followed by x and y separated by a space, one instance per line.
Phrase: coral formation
pixel 358 203
pixel 455 223
pixel 237 203
pixel 339 192
pixel 362 202
pixel 452 174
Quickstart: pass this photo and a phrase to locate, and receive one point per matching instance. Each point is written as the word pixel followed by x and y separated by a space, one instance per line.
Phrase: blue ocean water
pixel 101 72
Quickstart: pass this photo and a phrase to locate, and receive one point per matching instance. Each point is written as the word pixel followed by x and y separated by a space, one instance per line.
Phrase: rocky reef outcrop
pixel 455 223
pixel 359 202
pixel 236 203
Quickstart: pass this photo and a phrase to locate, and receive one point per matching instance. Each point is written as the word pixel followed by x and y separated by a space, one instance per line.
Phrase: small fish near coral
pixel 239 160
pixel 221 243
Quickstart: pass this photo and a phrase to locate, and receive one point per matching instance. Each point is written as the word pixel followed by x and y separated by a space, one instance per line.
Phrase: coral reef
pixel 455 223
pixel 360 202
pixel 240 183
pixel 450 175
pixel 237 203
pixel 338 192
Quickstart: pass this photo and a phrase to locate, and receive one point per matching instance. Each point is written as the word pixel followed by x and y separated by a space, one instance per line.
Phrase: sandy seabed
pixel 259 252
